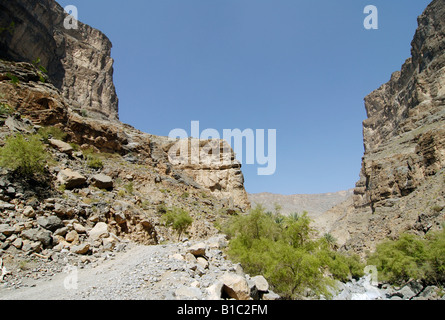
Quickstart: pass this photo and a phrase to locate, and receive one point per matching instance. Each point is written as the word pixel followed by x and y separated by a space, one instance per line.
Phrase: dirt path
pixel 140 273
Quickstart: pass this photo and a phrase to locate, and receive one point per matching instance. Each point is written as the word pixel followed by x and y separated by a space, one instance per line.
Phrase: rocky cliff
pixel 401 185
pixel 77 60
pixel 404 134
pixel 77 94
pixel 103 175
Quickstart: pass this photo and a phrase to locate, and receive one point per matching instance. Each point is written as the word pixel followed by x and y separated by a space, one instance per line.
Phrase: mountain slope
pixel 314 204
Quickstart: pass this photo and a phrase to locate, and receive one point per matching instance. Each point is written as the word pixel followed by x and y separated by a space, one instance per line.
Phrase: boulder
pixel 71 179
pixel 261 283
pixel 51 223
pixel 31 246
pixel 202 262
pixel 6 229
pixel 120 218
pixel 6 206
pixel 189 293
pixel 407 293
pixel 29 212
pixel 214 292
pixel 102 181
pixel 61 146
pixel 99 231
pixel 198 250
pixel 72 236
pixel 30 234
pixel 80 249
pixel 18 243
pixel 235 286
pixel 271 296
pixel 42 236
pixel 79 228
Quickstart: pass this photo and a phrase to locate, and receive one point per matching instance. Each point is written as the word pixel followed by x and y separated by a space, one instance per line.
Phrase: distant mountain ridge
pixel 314 204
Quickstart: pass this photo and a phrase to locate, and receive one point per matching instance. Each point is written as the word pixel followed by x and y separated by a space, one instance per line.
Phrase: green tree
pixel 400 260
pixel 178 219
pixel 24 154
pixel 435 252
pixel 286 251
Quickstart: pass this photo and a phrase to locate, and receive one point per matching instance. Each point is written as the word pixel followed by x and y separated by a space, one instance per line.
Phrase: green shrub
pixel 93 159
pixel 51 132
pixel 162 208
pixel 178 219
pixel 5 109
pixel 94 162
pixel 436 257
pixel 24 154
pixel 14 79
pixel 411 257
pixel 185 195
pixel 285 251
pixel 398 261
pixel 129 187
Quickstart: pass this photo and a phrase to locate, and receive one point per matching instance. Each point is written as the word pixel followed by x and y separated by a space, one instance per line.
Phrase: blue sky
pixel 300 67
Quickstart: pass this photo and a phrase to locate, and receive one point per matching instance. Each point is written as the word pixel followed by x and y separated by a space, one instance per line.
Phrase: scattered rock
pixel 61 146
pixel 271 296
pixel 236 287
pixel 72 236
pixel 102 181
pixel 261 283
pixel 99 231
pixel 51 223
pixel 29 212
pixel 80 249
pixel 6 229
pixel 198 250
pixel 189 293
pixel 71 179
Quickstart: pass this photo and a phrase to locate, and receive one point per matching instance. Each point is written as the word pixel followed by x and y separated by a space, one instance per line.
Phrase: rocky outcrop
pixel 404 135
pixel 401 185
pixel 212 164
pixel 44 105
pixel 78 61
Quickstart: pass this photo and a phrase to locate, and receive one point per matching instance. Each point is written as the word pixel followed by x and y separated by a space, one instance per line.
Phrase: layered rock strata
pixel 45 105
pixel 402 180
pixel 77 61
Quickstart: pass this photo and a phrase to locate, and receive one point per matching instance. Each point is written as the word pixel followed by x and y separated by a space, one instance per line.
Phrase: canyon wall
pixel 402 180
pixel 77 94
pixel 78 61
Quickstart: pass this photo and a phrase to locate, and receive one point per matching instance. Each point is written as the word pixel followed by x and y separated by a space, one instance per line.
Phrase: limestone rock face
pixel 401 180
pixel 77 60
pixel 404 135
pixel 211 164
pixel 54 99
